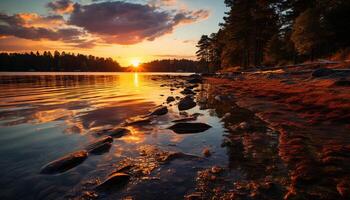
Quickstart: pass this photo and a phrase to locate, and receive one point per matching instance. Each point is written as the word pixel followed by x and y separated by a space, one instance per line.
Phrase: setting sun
pixel 135 63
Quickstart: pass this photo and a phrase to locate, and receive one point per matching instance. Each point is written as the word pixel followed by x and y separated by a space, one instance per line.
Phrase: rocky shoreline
pixel 278 126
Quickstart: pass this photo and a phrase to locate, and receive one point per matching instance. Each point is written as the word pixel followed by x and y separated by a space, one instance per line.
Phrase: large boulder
pixel 183 128
pixel 186 103
pixel 65 163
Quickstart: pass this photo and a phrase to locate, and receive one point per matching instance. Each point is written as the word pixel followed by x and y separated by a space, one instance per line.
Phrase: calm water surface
pixel 46 116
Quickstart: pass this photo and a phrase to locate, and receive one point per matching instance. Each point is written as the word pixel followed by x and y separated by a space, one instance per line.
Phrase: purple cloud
pixel 128 23
pixel 61 6
pixel 35 27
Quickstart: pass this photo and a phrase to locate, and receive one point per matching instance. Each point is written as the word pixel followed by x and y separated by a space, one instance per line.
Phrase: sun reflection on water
pixel 136 79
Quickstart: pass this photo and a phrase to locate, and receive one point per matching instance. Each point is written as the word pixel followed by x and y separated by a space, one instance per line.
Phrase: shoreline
pixel 310 115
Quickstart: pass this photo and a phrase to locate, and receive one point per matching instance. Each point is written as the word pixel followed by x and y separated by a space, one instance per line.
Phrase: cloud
pixel 35 27
pixel 100 22
pixel 61 6
pixel 159 3
pixel 128 23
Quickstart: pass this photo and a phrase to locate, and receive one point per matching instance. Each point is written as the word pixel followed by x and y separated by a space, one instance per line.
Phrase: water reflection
pixel 136 79
pixel 44 117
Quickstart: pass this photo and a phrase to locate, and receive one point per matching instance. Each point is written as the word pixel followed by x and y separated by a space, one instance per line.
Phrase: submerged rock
pixel 100 146
pixel 186 103
pixel 114 181
pixel 162 110
pixel 183 128
pixel 118 132
pixel 65 163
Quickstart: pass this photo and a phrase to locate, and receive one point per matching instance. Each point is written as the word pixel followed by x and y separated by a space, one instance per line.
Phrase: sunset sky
pixel 126 30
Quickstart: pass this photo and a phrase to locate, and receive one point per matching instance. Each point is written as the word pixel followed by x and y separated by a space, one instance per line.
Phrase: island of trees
pixel 276 32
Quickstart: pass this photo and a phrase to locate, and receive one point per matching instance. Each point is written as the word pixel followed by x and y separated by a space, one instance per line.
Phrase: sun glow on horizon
pixel 135 63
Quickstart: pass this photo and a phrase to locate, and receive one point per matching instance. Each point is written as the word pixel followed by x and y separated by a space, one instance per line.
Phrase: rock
pixel 159 111
pixel 322 72
pixel 227 115
pixel 206 152
pixel 190 87
pixel 170 99
pixel 100 146
pixel 187 91
pixel 186 103
pixel 216 170
pixel 65 163
pixel 118 132
pixel 195 78
pixel 183 128
pixel 115 180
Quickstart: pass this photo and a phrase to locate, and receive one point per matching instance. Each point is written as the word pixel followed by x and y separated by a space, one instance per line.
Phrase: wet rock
pixel 159 111
pixel 118 132
pixel 206 152
pixel 186 103
pixel 114 181
pixel 190 87
pixel 170 99
pixel 100 145
pixel 183 128
pixel 187 91
pixel 322 72
pixel 216 170
pixel 65 163
pixel 101 148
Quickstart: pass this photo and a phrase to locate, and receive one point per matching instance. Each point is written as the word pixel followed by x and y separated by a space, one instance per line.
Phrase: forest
pixel 69 62
pixel 65 62
pixel 268 33
pixel 172 65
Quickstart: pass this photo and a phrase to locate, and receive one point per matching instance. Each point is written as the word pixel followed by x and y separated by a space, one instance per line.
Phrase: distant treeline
pixel 172 65
pixel 256 33
pixel 65 62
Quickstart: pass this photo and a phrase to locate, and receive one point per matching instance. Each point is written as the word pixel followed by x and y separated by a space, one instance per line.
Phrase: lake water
pixel 44 116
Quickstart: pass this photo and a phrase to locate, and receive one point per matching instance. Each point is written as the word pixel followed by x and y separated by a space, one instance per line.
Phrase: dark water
pixel 44 117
